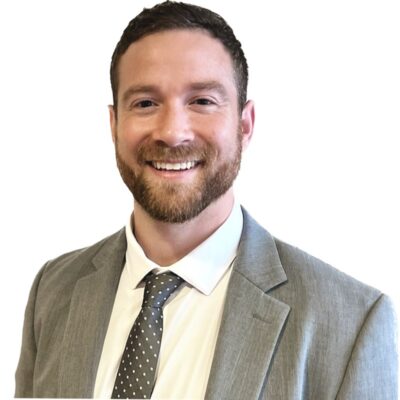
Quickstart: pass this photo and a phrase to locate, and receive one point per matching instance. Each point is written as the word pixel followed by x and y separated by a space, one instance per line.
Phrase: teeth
pixel 173 166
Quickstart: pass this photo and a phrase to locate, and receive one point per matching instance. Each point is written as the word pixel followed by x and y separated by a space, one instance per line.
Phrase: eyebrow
pixel 195 86
pixel 210 85
pixel 138 89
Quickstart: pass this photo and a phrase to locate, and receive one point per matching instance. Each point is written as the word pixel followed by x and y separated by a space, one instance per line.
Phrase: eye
pixel 144 104
pixel 203 102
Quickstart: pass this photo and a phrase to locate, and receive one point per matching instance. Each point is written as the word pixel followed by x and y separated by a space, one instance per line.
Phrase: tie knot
pixel 158 288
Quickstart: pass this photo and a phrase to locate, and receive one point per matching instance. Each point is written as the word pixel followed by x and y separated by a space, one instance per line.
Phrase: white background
pixel 322 172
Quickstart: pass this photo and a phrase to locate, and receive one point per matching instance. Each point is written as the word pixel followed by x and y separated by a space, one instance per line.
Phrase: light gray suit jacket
pixel 292 328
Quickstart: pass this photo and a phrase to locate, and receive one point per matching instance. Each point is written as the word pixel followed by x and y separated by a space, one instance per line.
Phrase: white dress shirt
pixel 192 314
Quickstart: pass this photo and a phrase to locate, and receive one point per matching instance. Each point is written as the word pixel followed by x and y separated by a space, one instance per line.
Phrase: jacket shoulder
pixel 323 285
pixel 58 277
pixel 76 260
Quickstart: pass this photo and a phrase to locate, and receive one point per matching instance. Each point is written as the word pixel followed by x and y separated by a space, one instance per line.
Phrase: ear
pixel 113 122
pixel 247 123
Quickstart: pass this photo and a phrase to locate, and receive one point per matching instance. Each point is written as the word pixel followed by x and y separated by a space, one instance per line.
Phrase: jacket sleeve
pixel 372 370
pixel 26 364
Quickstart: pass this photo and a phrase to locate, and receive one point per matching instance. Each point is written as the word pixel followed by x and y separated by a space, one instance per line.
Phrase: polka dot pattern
pixel 137 371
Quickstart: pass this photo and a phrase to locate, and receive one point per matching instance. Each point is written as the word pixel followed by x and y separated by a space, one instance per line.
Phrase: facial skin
pixel 178 132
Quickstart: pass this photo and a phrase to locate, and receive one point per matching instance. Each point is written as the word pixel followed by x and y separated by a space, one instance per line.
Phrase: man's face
pixel 178 133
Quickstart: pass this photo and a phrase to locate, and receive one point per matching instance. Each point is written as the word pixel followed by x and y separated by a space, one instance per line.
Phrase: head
pixel 180 117
pixel 175 15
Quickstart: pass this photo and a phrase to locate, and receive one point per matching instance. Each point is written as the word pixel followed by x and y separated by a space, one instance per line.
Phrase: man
pixel 249 316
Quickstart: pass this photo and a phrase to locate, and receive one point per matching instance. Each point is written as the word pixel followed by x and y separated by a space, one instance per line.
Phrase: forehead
pixel 176 55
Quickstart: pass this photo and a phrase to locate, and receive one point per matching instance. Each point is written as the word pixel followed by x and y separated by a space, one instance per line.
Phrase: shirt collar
pixel 203 267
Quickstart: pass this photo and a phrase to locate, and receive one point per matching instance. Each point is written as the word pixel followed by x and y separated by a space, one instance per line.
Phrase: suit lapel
pixel 252 320
pixel 90 311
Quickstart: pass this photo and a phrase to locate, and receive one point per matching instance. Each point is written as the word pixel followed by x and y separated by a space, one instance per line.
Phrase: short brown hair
pixel 174 15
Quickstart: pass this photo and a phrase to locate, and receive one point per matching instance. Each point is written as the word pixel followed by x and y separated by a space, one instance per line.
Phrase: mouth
pixel 173 166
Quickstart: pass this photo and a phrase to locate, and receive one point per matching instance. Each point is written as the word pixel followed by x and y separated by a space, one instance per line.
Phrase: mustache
pixel 162 152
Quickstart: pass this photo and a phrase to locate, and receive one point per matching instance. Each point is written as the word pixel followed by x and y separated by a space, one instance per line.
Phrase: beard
pixel 176 202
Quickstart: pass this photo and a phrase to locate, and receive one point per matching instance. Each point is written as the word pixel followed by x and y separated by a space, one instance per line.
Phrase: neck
pixel 165 243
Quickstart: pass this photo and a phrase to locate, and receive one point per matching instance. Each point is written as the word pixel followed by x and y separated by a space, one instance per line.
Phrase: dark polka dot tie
pixel 137 371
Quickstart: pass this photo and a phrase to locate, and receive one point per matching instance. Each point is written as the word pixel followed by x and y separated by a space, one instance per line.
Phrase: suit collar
pixel 112 251
pixel 252 322
pixel 258 258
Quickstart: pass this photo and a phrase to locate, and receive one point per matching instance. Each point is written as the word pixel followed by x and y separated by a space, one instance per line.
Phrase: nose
pixel 173 128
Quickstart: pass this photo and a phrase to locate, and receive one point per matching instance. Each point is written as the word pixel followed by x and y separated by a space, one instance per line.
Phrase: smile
pixel 181 166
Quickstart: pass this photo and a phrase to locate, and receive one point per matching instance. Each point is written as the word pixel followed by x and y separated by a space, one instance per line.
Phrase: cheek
pixel 128 137
pixel 223 135
pixel 216 128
